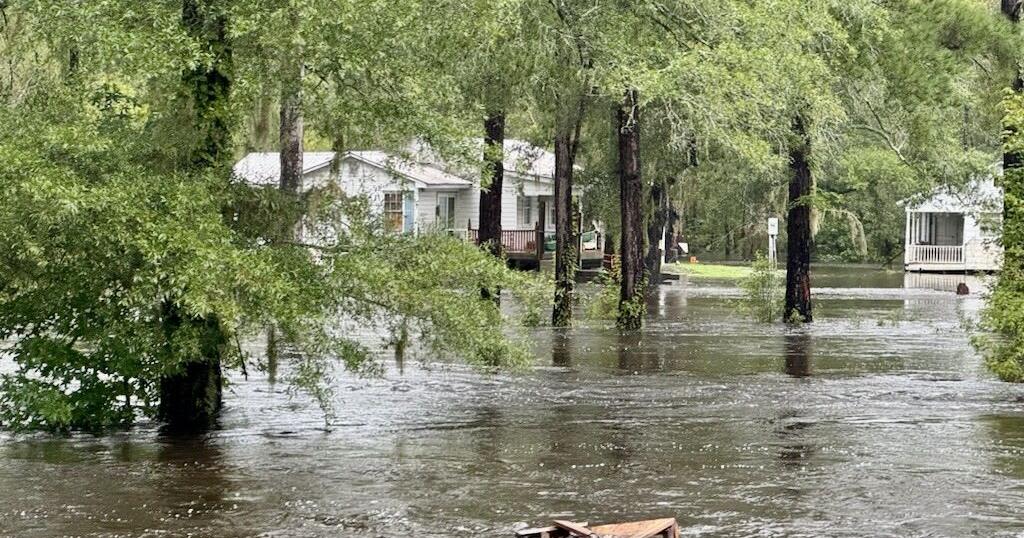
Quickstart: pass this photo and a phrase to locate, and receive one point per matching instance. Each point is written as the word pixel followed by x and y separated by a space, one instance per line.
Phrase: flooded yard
pixel 879 419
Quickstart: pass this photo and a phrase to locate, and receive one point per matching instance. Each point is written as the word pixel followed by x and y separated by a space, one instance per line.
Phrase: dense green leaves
pixel 96 242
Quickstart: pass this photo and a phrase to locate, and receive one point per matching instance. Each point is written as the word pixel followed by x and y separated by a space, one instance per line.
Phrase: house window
pixel 524 207
pixel 445 211
pixel 393 218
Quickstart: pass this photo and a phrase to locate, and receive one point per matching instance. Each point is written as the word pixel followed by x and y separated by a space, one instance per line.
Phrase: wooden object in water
pixel 653 528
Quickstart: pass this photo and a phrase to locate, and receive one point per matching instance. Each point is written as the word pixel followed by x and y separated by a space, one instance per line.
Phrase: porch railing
pixel 515 241
pixel 951 254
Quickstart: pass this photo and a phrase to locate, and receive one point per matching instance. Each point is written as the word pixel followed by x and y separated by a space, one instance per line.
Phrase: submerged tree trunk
pixel 631 301
pixel 566 251
pixel 190 396
pixel 671 217
pixel 291 132
pixel 489 236
pixel 799 241
pixel 655 233
pixel 489 228
pixel 1013 177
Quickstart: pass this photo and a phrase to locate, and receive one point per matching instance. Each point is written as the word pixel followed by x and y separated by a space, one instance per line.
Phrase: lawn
pixel 708 270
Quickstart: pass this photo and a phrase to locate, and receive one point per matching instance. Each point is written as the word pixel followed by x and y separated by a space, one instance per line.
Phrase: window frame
pixel 444 215
pixel 397 209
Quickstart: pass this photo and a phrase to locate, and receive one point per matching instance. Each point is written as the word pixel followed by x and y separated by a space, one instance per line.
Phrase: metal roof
pixel 264 168
pixel 977 196
pixel 521 158
pixel 425 174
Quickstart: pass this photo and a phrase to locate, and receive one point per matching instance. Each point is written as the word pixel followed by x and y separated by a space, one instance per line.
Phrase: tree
pixel 489 236
pixel 569 84
pixel 134 263
pixel 798 228
pixel 631 252
pixel 1003 317
pixel 291 128
pixel 191 393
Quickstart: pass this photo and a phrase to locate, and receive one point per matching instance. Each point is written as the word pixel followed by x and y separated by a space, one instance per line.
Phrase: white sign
pixel 773 226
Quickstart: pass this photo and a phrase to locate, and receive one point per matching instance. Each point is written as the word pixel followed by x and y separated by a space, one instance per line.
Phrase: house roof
pixel 524 158
pixel 429 171
pixel 977 196
pixel 264 168
pixel 521 159
pixel 427 175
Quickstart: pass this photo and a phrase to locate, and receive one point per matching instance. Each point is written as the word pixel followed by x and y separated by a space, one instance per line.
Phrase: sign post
pixel 773 232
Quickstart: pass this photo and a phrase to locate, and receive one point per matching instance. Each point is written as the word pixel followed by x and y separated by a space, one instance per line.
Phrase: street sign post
pixel 773 232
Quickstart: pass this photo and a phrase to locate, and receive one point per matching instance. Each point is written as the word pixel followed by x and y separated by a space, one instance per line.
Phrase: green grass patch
pixel 708 270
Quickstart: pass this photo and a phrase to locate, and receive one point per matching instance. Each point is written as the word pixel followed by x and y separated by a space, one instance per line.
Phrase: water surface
pixel 876 420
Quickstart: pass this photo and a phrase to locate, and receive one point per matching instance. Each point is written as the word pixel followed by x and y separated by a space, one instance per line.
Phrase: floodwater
pixel 876 420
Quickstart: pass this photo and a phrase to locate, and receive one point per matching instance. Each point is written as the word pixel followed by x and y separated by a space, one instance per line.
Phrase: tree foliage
pixel 103 226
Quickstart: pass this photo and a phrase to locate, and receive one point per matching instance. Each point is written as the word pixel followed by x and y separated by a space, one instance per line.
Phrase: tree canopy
pixel 119 122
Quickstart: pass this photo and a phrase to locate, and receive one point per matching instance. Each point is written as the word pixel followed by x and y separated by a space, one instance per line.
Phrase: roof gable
pixel 422 174
pixel 977 196
pixel 264 168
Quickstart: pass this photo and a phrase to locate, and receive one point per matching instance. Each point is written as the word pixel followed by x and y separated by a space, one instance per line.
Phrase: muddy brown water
pixel 877 420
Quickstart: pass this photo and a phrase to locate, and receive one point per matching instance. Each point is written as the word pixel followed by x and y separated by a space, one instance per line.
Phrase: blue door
pixel 409 213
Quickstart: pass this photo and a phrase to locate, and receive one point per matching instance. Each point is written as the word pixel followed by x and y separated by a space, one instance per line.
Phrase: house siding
pixel 359 178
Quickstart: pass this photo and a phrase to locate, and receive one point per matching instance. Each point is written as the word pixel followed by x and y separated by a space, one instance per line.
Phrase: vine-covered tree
pixel 135 264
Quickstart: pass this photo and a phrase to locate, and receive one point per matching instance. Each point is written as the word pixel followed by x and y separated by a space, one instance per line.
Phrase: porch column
pixel 416 212
pixel 906 231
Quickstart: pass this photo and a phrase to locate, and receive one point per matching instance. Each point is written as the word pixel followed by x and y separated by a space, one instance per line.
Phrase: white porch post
pixel 416 212
pixel 906 231
pixel 907 254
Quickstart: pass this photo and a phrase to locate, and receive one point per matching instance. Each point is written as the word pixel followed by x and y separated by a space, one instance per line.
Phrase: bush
pixel 762 291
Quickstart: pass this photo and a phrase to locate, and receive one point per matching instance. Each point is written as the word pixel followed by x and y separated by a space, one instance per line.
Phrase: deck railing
pixel 951 254
pixel 514 241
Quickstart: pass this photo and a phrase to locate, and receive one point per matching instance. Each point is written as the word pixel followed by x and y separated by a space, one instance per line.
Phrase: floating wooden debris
pixel 652 528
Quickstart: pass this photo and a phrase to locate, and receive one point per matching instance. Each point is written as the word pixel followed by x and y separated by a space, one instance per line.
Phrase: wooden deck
pixel 515 243
pixel 522 244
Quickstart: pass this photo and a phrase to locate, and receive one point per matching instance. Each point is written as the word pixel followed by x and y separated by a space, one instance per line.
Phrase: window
pixel 393 219
pixel 445 211
pixel 524 212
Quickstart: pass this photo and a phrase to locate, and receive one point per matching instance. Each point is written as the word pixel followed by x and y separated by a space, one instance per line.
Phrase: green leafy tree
pixel 135 263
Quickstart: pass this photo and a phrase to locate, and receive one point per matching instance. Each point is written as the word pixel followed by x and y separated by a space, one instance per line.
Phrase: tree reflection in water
pixel 798 354
pixel 561 352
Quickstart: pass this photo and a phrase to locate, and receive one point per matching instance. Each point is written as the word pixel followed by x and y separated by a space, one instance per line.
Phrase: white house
pixel 955 231
pixel 421 193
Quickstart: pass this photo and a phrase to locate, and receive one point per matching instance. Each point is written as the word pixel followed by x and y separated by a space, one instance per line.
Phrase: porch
pixel 521 243
pixel 535 245
pixel 934 241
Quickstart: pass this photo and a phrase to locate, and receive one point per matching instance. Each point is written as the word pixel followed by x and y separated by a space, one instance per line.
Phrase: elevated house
pixel 955 231
pixel 418 192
